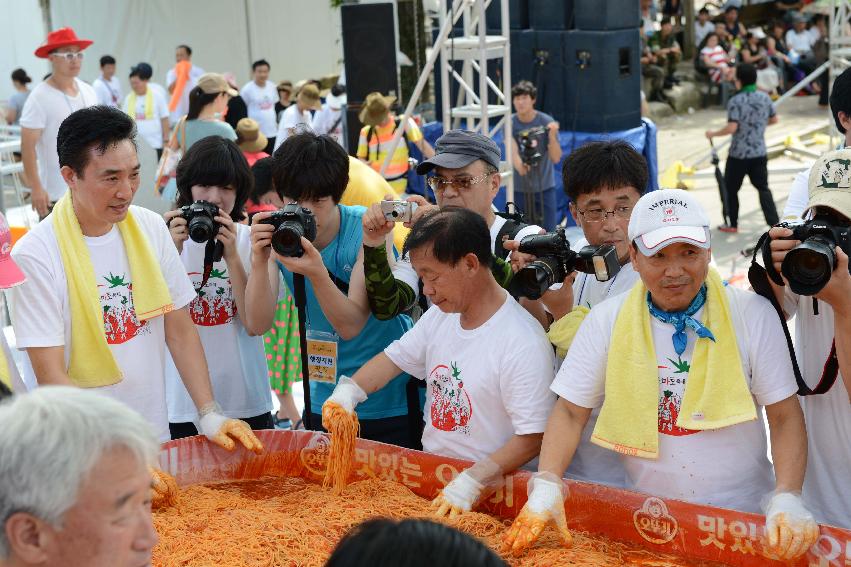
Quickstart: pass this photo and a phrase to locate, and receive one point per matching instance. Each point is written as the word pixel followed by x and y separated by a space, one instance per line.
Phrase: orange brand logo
pixel 314 456
pixel 654 523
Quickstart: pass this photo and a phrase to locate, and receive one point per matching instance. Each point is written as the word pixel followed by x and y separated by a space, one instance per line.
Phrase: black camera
pixel 808 266
pixel 529 153
pixel 201 220
pixel 291 223
pixel 556 261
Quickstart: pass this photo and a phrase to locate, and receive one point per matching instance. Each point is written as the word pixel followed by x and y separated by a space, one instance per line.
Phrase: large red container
pixel 658 524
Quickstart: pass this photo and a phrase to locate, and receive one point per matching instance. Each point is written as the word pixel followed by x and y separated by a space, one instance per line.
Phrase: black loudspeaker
pixel 369 50
pixel 594 15
pixel 352 127
pixel 603 81
pixel 552 14
pixel 518 16
pixel 538 57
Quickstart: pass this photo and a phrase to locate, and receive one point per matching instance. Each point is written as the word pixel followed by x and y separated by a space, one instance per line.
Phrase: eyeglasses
pixel 439 184
pixel 598 215
pixel 68 55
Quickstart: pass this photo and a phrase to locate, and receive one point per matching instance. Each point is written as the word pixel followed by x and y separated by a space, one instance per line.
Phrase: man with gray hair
pixel 75 486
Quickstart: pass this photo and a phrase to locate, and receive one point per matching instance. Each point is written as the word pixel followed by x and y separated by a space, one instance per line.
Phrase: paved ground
pixel 681 138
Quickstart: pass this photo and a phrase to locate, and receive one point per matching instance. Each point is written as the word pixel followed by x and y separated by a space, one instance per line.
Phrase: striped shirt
pixel 373 150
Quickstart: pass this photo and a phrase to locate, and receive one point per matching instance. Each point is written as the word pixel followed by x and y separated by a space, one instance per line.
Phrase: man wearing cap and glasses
pixel 466 174
pixel 823 345
pixel 46 107
pixel 681 366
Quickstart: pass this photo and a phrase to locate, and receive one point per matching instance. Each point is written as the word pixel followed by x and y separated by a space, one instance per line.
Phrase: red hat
pixel 63 37
pixel 10 274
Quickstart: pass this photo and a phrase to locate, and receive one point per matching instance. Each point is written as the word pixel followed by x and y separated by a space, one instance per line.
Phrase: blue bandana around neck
pixel 682 319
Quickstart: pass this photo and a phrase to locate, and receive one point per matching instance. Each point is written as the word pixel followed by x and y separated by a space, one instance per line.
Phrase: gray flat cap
pixel 459 148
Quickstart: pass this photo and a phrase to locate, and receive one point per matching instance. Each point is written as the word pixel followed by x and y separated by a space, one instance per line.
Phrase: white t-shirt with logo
pixel 725 467
pixel 591 462
pixel 236 360
pixel 261 105
pixel 45 109
pixel 150 129
pixel 484 384
pixel 828 416
pixel 290 119
pixel 109 92
pixel 42 313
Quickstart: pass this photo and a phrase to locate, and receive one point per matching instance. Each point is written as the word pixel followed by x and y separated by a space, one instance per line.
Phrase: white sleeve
pixel 582 377
pixel 409 351
pixel 772 377
pixel 32 116
pixel 282 131
pixel 179 284
pixel 319 124
pixel 525 378
pixel 798 195
pixel 404 272
pixel 38 304
pixel 160 105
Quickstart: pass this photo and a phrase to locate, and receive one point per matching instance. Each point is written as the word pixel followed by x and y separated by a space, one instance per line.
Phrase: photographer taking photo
pixel 213 182
pixel 311 172
pixel 535 148
pixel 822 330
pixel 604 181
pixel 466 174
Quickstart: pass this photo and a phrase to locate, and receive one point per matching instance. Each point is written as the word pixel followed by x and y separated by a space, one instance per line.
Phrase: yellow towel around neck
pixel 563 331
pixel 91 362
pixel 716 392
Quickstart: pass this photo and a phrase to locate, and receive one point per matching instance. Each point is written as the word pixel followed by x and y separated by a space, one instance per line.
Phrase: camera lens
pixel 201 228
pixel 287 239
pixel 533 280
pixel 808 267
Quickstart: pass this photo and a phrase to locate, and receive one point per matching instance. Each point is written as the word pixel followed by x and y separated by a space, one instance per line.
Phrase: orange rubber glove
pixel 545 505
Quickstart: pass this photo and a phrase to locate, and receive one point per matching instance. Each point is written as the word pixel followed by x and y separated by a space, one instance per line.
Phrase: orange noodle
pixel 344 428
pixel 289 522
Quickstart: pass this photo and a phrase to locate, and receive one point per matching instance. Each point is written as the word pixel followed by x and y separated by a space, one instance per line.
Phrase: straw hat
pixel 375 109
pixel 249 137
pixel 212 83
pixel 308 96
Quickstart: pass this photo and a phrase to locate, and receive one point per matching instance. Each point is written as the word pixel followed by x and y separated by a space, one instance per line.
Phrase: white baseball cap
pixel 830 182
pixel 666 216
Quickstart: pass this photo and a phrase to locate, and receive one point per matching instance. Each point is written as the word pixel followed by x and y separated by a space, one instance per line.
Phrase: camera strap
pixel 758 277
pixel 212 253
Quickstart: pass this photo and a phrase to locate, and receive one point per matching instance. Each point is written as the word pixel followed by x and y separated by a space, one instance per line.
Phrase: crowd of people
pixel 654 379
pixel 784 49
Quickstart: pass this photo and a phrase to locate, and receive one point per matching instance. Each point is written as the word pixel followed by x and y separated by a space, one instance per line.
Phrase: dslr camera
pixel 808 266
pixel 200 220
pixel 291 223
pixel 556 261
pixel 398 211
pixel 529 148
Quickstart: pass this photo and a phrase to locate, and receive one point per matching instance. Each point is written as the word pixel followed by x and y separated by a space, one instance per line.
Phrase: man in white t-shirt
pixel 486 361
pixel 466 166
pixel 260 96
pixel 706 343
pixel 148 107
pixel 182 57
pixel 105 236
pixel 107 86
pixel 298 115
pixel 329 120
pixel 823 347
pixel 604 181
pixel 47 106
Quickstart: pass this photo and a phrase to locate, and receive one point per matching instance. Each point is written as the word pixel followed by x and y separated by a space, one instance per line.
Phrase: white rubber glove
pixel 790 528
pixel 223 430
pixel 461 494
pixel 347 394
pixel 545 504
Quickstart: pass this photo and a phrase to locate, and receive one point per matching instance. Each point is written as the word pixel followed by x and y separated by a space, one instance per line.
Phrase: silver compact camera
pixel 398 211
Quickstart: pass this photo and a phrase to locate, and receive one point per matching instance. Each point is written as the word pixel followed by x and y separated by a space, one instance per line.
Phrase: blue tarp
pixel 642 138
